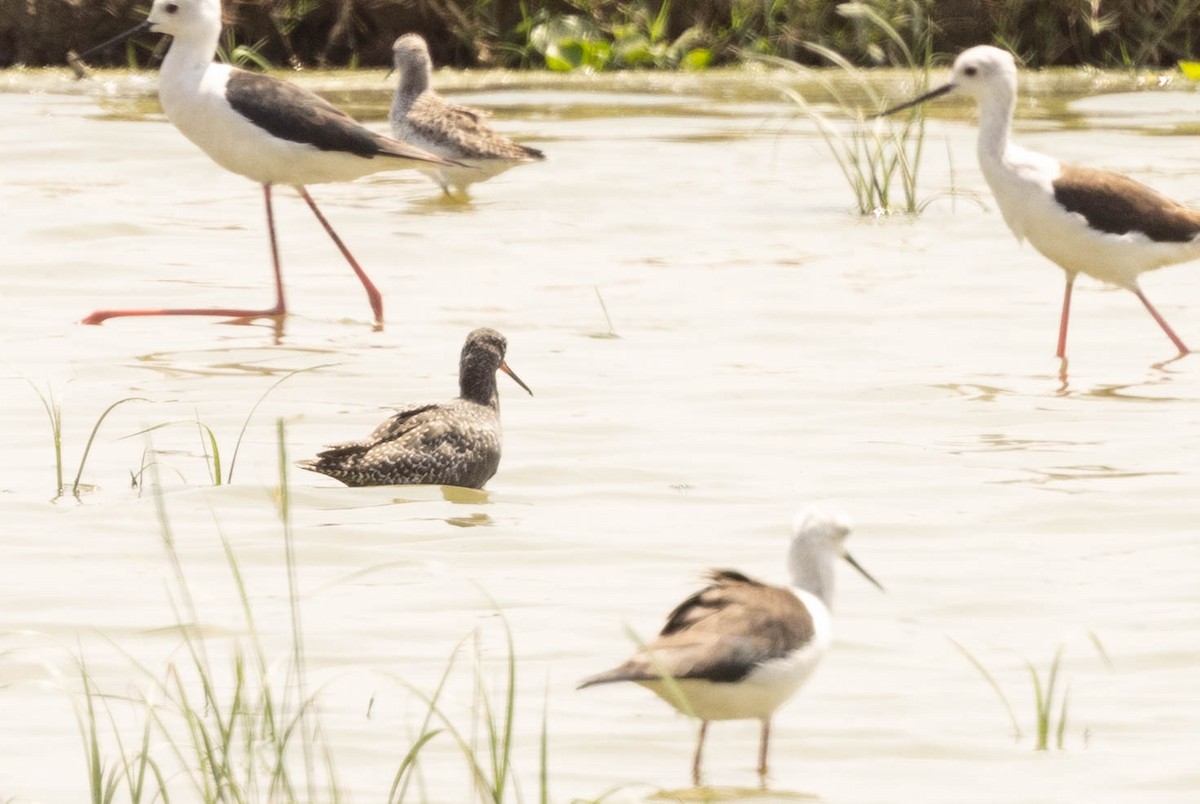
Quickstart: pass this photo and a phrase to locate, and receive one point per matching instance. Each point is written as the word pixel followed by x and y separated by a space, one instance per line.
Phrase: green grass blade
pixel 237 445
pixel 1041 709
pixel 92 436
pixel 213 458
pixel 991 680
pixel 1062 719
pixel 402 783
pixel 289 553
pixel 543 747
pixel 679 699
pixel 860 10
pixel 1099 646
pixel 54 413
pixel 91 737
pixel 409 763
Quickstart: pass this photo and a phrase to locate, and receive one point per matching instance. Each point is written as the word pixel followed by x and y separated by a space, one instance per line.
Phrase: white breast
pixel 193 98
pixel 1022 182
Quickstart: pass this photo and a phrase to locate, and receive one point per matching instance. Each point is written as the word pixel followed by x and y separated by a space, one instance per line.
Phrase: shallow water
pixel 771 349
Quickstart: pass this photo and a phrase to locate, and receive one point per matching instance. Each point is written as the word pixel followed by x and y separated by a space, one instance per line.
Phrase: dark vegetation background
pixel 520 33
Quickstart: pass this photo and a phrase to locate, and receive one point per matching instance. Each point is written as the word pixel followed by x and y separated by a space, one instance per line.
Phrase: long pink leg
pixel 1066 317
pixel 699 754
pixel 373 294
pixel 278 311
pixel 1162 322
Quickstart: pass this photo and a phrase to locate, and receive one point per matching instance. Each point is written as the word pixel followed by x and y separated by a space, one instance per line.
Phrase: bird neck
pixel 995 126
pixel 414 79
pixel 813 574
pixel 189 57
pixel 477 383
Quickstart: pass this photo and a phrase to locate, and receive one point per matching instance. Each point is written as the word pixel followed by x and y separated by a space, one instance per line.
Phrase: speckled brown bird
pixel 423 118
pixel 455 443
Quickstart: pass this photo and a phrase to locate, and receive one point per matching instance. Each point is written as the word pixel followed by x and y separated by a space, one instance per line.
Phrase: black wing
pixel 1113 203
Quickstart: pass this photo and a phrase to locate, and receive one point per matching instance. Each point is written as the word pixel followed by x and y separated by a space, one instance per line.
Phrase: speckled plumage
pixel 423 118
pixel 455 443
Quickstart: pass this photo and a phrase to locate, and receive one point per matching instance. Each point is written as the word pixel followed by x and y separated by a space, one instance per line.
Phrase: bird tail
pixel 632 670
pixel 607 677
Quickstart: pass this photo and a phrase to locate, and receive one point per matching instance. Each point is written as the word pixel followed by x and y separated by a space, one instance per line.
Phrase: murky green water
pixel 772 349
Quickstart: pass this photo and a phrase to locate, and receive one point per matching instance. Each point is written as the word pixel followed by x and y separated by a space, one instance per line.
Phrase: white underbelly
pixel 1065 238
pixel 1119 259
pixel 240 146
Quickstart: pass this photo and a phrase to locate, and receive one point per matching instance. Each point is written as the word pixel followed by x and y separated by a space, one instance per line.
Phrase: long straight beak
pixel 942 90
pixel 504 367
pixel 145 26
pixel 850 560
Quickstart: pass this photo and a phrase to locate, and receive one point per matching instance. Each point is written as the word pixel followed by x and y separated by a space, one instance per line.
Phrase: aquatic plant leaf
pixel 698 59
pixel 1191 70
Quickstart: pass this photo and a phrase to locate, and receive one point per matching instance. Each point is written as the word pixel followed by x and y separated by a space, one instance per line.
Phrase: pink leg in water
pixel 277 312
pixel 1162 322
pixel 373 294
pixel 1066 317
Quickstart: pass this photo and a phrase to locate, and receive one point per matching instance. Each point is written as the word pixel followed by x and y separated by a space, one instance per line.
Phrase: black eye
pixel 172 7
pixel 970 71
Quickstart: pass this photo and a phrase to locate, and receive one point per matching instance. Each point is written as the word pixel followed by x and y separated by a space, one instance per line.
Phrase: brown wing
pixel 433 118
pixel 1113 203
pixel 721 633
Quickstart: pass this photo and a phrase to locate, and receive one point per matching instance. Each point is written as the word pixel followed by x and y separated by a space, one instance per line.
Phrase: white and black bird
pixel 455 443
pixel 739 648
pixel 266 129
pixel 1096 222
pixel 424 118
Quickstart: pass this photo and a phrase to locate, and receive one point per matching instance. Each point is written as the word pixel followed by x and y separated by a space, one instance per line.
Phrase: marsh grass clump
pixel 210 446
pixel 879 158
pixel 55 415
pixel 1050 711
pixel 225 723
pixel 225 728
pixel 487 749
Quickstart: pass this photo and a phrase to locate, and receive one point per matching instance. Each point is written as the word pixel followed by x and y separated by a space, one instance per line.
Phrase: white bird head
pixel 185 19
pixel 988 74
pixel 411 52
pixel 197 22
pixel 818 537
pixel 983 72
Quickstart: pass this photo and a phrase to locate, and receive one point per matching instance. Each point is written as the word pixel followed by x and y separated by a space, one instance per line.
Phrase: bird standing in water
pixel 424 118
pixel 455 443
pixel 1088 221
pixel 739 648
pixel 267 130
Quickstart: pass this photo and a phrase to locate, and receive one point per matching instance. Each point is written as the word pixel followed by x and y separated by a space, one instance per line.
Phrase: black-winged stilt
pixel 739 648
pixel 265 129
pixel 1096 222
